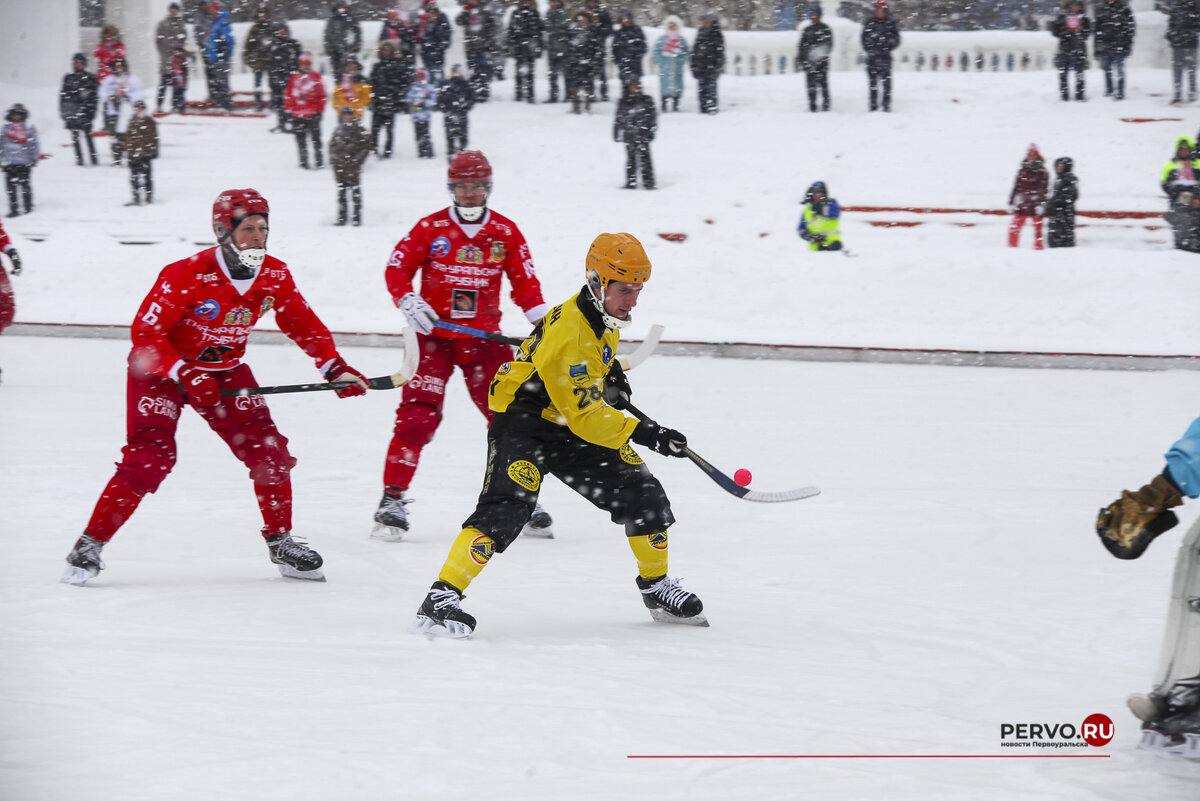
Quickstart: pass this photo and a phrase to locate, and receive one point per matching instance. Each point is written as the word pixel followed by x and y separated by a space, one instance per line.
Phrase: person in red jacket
pixel 189 337
pixel 8 304
pixel 109 50
pixel 1028 198
pixel 304 100
pixel 461 254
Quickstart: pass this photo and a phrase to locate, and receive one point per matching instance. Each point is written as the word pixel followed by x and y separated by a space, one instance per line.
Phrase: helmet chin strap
pixel 598 302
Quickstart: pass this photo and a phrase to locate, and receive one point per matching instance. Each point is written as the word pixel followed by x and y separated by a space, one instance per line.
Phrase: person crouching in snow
pixel 820 220
pixel 1028 198
pixel 1060 208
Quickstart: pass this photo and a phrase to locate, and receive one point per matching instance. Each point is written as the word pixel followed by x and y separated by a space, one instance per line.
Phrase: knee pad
pixel 416 423
pixel 145 464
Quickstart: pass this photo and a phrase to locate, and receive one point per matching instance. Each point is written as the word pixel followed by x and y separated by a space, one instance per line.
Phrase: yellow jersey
pixel 558 375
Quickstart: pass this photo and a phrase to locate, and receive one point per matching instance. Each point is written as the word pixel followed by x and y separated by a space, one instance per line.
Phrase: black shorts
pixel 521 456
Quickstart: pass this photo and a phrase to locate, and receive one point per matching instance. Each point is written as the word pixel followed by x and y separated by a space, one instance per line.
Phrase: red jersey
pixel 305 95
pixel 5 242
pixel 460 274
pixel 195 314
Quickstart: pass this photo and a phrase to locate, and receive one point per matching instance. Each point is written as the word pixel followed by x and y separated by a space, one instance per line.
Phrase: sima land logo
pixel 1096 731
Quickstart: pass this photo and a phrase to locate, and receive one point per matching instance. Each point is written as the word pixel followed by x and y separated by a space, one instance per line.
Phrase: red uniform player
pixel 461 252
pixel 189 337
pixel 8 304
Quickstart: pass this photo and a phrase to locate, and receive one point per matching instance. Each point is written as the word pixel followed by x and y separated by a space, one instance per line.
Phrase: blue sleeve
pixel 1183 460
pixel 802 228
pixel 833 210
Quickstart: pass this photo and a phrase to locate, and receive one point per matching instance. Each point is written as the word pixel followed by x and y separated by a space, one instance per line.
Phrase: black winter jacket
pixel 1183 25
pixel 77 99
pixel 637 119
pixel 1115 28
pixel 816 43
pixel 708 53
pixel 879 38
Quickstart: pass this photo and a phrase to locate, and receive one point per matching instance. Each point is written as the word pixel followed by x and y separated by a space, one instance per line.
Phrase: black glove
pixel 666 441
pixel 616 387
pixel 16 260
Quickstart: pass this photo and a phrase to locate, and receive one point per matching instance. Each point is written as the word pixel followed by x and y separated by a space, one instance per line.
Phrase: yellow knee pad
pixel 650 550
pixel 469 555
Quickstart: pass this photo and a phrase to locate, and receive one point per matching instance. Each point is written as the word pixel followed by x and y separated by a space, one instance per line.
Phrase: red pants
pixel 8 306
pixel 1014 231
pixel 153 406
pixel 420 410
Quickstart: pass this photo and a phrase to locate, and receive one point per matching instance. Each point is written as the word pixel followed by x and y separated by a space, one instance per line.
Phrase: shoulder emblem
pixel 578 373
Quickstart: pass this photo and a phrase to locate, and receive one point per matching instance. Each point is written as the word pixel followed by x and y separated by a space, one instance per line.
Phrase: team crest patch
pixel 629 455
pixel 657 541
pixel 208 310
pixel 578 372
pixel 267 303
pixel 239 316
pixel 470 254
pixel 482 548
pixel 526 474
pixel 606 355
pixel 439 247
pixel 498 251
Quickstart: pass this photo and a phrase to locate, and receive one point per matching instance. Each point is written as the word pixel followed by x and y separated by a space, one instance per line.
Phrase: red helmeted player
pixel 189 337
pixel 461 252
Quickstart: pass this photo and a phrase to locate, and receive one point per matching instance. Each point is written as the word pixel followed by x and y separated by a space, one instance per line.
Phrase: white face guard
pixel 252 258
pixel 470 213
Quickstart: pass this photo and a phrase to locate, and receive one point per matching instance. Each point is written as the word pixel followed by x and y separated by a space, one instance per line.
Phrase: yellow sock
pixel 650 550
pixel 468 557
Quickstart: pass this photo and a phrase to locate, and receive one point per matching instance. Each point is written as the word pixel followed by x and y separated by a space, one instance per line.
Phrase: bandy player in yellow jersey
pixel 557 412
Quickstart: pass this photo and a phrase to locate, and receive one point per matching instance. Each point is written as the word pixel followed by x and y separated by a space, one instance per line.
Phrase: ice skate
pixel 391 518
pixel 669 602
pixel 540 524
pixel 1178 735
pixel 441 615
pixel 83 562
pixel 295 559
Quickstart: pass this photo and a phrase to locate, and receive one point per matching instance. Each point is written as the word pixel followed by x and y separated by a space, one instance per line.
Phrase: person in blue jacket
pixel 1171 711
pixel 218 54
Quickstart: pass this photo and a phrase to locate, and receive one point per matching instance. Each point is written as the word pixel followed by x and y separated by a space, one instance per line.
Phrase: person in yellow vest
pixel 353 90
pixel 558 411
pixel 820 220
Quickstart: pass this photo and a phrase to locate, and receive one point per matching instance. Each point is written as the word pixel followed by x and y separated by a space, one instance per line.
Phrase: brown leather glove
pixel 1128 526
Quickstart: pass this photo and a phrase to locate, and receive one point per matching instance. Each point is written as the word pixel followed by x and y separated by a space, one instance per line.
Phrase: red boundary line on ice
pixel 747 350
pixel 1108 215
pixel 83 328
pixel 867 756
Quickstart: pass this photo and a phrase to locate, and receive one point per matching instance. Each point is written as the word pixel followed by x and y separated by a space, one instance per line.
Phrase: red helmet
pixel 234 205
pixel 469 166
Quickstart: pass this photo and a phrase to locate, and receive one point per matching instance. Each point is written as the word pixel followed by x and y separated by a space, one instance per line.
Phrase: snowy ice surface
pixel 946 582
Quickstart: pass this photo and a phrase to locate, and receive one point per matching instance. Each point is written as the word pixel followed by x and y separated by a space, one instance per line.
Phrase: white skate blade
pixel 1191 746
pixel 287 571
pixel 452 629
pixel 544 533
pixel 77 575
pixel 387 533
pixel 1157 741
pixel 663 616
